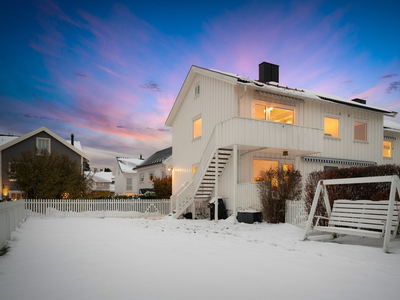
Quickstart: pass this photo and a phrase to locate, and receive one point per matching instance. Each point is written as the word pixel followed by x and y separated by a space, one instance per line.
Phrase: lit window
pixel 263 165
pixel 288 167
pixel 141 177
pixel 274 113
pixel 197 128
pixel 194 169
pixel 197 90
pixel 129 184
pixel 360 131
pixel 151 177
pixel 42 143
pixel 387 149
pixel 331 126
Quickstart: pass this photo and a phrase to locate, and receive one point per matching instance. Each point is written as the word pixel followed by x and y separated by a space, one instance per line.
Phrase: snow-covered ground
pixel 81 258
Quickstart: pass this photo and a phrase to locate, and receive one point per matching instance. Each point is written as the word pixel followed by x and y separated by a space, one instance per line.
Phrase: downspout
pixel 244 91
pixel 240 97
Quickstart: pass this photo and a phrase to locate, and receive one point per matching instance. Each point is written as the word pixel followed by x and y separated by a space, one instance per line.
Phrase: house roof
pixel 156 158
pixel 269 88
pixel 7 138
pixel 391 126
pixel 100 176
pixel 127 164
pixel 77 144
pixel 33 133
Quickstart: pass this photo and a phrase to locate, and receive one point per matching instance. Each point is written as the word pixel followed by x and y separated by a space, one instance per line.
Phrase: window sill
pixel 388 158
pixel 360 141
pixel 332 138
pixel 196 138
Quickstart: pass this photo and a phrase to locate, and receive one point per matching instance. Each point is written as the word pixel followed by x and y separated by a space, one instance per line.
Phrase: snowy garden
pixel 111 258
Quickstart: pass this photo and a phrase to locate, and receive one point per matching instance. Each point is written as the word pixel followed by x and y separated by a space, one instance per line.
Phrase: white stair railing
pixel 186 196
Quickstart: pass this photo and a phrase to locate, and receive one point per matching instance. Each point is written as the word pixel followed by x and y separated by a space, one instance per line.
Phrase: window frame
pixel 366 129
pixel 391 149
pixel 127 185
pixel 151 176
pixel 337 117
pixel 45 139
pixel 194 120
pixel 197 90
pixel 268 105
pixel 141 177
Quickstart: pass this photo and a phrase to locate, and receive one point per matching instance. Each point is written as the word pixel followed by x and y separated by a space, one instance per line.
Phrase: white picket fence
pixel 296 213
pixel 12 214
pixel 98 208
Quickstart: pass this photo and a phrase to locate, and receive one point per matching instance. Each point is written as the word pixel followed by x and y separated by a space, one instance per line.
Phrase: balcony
pixel 251 134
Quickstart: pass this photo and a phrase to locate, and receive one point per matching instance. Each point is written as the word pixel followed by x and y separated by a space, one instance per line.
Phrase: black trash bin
pixel 222 213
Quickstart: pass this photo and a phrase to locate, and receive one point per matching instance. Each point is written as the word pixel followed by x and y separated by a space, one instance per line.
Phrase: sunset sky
pixel 110 71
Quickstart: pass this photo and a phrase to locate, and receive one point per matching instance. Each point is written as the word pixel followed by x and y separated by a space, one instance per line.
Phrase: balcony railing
pixel 260 133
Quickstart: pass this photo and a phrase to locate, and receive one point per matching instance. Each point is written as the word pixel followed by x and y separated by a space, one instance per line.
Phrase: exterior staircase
pixel 203 183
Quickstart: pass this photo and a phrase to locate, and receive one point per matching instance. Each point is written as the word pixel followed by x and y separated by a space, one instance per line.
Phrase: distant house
pixel 154 166
pixel 40 138
pixel 101 181
pixel 126 182
pixel 227 128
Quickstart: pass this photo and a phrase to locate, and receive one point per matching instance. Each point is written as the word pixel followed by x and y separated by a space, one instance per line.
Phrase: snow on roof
pixel 391 126
pixel 100 176
pixel 157 158
pixel 77 145
pixel 127 164
pixel 301 93
pixel 7 138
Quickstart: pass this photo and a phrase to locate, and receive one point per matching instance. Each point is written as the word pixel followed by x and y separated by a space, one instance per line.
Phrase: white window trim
pixel 140 178
pixel 131 185
pixel 281 162
pixel 40 138
pixel 360 121
pixel 273 104
pixel 332 116
pixel 194 120
pixel 197 90
pixel 392 145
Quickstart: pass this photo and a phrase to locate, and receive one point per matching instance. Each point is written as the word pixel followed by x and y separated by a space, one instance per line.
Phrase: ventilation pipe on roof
pixel 72 139
pixel 358 100
pixel 141 157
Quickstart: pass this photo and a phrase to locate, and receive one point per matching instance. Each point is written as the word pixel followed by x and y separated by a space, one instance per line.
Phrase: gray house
pixel 40 138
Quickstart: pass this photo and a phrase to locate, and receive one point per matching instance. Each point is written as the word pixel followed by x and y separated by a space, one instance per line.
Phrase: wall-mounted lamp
pixel 285 153
pixel 169 169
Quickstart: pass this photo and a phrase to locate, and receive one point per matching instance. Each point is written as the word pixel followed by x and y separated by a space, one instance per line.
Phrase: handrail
pixel 184 198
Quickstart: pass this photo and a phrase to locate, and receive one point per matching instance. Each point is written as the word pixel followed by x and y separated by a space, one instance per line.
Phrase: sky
pixel 110 71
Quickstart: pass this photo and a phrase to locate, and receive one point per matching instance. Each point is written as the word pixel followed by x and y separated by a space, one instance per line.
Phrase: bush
pixel 365 191
pixel 162 187
pixel 274 188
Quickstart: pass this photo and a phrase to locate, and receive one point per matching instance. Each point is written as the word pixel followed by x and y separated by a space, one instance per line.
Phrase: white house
pixel 258 124
pixel 101 181
pixel 154 166
pixel 126 182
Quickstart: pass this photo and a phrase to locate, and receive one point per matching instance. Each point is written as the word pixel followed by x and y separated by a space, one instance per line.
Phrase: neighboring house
pixel 126 182
pixel 40 138
pixel 101 181
pixel 154 166
pixel 259 124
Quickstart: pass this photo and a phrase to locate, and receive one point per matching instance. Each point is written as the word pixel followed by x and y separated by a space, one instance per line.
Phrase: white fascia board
pixel 32 133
